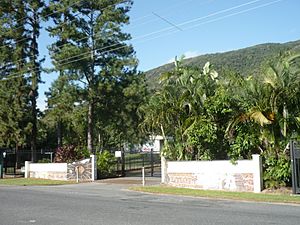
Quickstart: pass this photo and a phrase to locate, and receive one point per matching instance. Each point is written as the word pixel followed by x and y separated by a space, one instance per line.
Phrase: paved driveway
pixel 109 202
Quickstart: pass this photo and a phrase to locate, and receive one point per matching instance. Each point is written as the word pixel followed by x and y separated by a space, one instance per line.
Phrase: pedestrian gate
pixel 295 163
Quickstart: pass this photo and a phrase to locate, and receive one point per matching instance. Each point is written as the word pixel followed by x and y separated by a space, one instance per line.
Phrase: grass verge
pixel 32 182
pixel 242 196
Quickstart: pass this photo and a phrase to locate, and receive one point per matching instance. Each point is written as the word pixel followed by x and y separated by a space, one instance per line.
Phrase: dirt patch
pixel 282 190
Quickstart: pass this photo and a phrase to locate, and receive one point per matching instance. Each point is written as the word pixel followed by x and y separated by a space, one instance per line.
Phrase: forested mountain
pixel 247 61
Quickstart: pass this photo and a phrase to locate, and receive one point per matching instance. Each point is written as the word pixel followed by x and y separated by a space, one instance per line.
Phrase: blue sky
pixel 200 27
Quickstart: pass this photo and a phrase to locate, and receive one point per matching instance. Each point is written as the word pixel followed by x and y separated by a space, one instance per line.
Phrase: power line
pixel 236 13
pixel 168 12
pixel 50 14
pixel 172 27
pixel 167 21
pixel 80 39
pixel 113 34
pixel 213 20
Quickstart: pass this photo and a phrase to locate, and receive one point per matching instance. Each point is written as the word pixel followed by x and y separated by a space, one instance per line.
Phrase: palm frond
pixel 259 117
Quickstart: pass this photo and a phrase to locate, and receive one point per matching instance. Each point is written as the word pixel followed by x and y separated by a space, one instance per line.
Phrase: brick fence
pixel 244 175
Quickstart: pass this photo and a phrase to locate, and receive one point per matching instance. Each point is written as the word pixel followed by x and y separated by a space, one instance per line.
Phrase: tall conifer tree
pixel 92 48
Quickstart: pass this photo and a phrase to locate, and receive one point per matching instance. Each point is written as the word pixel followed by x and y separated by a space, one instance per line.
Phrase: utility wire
pixel 50 14
pixel 165 14
pixel 80 39
pixel 213 20
pixel 167 21
pixel 172 27
pixel 236 13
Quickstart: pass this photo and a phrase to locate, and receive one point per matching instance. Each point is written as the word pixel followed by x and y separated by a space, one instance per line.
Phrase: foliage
pixel 92 49
pixel 277 171
pixel 106 163
pixel 190 108
pixel 226 115
pixel 247 61
pixel 44 160
pixel 69 153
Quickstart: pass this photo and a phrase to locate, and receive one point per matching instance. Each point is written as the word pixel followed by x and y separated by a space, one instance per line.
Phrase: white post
pixel 77 174
pixel 257 175
pixel 94 167
pixel 163 170
pixel 27 169
pixel 143 176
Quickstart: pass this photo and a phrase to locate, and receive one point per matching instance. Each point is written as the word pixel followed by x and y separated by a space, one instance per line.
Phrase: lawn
pixel 244 196
pixel 32 182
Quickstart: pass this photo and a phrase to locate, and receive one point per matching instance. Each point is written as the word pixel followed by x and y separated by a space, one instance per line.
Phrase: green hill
pixel 247 61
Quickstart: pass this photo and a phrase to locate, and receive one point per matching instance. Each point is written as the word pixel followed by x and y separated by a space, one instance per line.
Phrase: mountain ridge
pixel 246 61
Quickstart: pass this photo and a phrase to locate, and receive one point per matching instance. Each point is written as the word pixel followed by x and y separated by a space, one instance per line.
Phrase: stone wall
pixel 245 175
pixel 81 170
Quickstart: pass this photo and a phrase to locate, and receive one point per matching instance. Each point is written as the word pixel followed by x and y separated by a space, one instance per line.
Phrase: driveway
pixel 109 202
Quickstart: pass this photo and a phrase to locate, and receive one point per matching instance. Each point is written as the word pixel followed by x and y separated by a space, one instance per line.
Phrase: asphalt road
pixel 111 203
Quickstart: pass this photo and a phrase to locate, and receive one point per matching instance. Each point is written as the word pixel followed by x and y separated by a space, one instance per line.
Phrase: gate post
pixel 123 162
pixel 1 165
pixel 293 166
pixel 152 162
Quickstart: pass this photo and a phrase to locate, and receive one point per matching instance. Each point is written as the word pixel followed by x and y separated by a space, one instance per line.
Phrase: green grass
pixel 245 196
pixel 32 182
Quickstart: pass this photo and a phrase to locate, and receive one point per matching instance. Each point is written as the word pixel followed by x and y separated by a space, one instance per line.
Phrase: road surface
pixel 112 204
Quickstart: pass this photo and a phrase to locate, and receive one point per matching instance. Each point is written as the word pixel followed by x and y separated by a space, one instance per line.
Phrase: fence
pixel 14 160
pixel 84 170
pixel 134 162
pixel 245 175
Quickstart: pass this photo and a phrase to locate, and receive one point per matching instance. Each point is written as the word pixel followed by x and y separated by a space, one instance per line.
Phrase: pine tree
pixel 93 49
pixel 34 9
pixel 14 102
pixel 20 22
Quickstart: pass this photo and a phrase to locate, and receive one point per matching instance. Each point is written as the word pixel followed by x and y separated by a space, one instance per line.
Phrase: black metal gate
pixel 295 163
pixel 135 162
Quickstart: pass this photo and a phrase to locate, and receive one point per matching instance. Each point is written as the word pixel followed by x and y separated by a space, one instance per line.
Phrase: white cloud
pixel 191 54
pixel 187 54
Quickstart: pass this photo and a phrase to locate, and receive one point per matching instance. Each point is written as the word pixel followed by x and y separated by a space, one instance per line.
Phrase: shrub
pixel 68 153
pixel 106 163
pixel 44 160
pixel 277 171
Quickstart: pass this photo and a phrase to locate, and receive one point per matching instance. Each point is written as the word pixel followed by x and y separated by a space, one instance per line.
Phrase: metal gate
pixel 130 163
pixel 295 163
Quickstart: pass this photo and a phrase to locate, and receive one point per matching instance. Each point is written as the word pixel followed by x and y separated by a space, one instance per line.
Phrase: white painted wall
pixel 216 175
pixel 49 167
pixel 55 171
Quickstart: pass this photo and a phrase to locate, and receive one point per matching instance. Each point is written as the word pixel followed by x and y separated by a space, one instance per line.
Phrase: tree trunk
pixel 90 127
pixel 34 127
pixel 34 84
pixel 59 133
